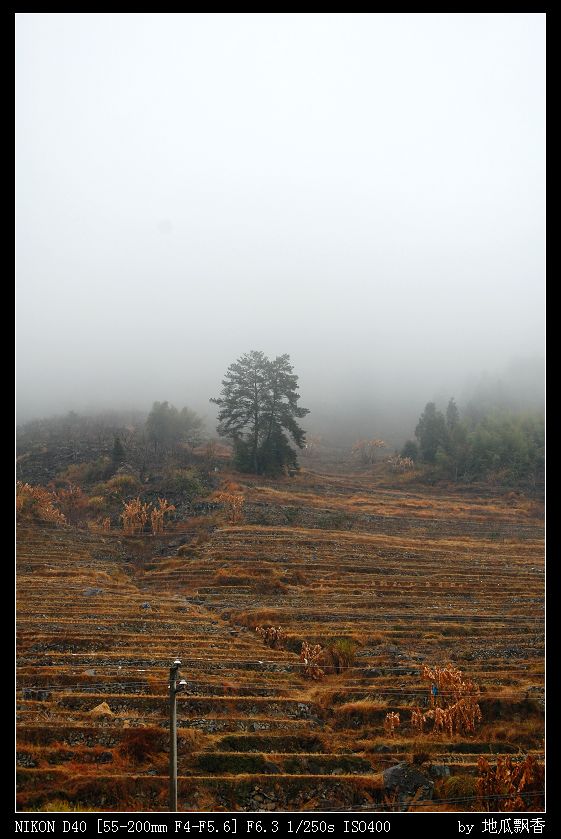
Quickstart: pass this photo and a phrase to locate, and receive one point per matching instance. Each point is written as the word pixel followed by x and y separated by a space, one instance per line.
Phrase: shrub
pixel 345 650
pixel 36 503
pixel 273 636
pixel 123 484
pixel 454 708
pixel 134 516
pixel 233 506
pixel 183 481
pixel 459 786
pixel 502 786
pixel 310 658
pixel 97 503
pixel 72 502
pixel 158 513
pixel 88 472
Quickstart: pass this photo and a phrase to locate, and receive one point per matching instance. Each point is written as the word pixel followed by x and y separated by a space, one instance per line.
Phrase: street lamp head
pixel 177 663
pixel 181 685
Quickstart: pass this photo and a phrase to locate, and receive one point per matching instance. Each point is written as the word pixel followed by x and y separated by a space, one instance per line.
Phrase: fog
pixel 363 192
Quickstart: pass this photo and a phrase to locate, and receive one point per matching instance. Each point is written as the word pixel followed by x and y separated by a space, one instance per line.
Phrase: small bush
pixel 183 481
pixel 123 484
pixel 272 636
pixel 345 650
pixel 97 503
pixel 35 503
pixel 459 786
pixel 89 472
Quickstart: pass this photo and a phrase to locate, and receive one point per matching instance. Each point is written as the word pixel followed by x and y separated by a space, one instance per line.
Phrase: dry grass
pixel 429 578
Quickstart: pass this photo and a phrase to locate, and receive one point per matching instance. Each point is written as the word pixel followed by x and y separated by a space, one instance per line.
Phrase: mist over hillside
pixel 354 190
pixel 345 415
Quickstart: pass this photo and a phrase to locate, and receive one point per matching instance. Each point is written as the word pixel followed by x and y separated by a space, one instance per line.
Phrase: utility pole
pixel 175 687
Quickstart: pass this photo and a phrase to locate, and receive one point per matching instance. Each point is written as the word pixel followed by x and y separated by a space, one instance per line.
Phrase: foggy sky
pixel 363 192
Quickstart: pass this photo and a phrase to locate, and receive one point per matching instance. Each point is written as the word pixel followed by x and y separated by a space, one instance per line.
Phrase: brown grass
pixel 435 576
pixel 258 617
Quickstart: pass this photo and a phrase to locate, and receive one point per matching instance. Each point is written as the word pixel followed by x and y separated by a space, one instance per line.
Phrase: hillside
pixel 391 577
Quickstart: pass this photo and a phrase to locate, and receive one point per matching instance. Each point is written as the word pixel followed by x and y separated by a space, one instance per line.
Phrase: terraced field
pixel 405 578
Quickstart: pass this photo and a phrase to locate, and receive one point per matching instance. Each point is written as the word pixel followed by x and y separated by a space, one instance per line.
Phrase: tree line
pixel 259 412
pixel 500 446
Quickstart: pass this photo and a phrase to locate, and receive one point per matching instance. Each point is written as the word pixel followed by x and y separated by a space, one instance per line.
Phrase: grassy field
pixel 392 575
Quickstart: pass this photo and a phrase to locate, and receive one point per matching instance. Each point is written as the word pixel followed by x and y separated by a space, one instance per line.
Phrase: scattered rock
pixel 89 592
pixel 25 759
pixel 404 780
pixel 37 694
pixel 102 710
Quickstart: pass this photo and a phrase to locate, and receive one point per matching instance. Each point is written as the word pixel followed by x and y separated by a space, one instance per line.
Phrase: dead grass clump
pixel 140 744
pixel 269 586
pixel 528 733
pixel 375 639
pixel 363 710
pixel 295 578
pixel 257 617
pixel 232 577
pixel 192 740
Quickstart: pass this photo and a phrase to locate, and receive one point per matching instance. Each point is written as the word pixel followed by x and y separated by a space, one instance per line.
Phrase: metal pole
pixel 173 737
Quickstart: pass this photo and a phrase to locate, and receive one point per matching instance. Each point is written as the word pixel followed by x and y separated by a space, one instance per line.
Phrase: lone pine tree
pixel 258 404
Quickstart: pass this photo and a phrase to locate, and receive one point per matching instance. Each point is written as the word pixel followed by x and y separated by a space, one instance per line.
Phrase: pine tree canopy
pixel 259 411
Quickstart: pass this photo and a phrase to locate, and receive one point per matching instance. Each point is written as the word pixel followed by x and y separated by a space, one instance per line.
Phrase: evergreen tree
pixel 431 432
pixel 166 426
pixel 411 450
pixel 258 404
pixel 452 415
